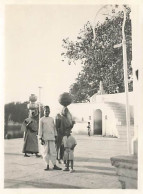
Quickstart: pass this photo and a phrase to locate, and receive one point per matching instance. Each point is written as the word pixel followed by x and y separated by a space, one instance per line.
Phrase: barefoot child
pixel 88 127
pixel 69 145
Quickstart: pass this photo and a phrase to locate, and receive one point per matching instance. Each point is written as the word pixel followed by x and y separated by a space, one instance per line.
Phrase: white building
pixel 106 113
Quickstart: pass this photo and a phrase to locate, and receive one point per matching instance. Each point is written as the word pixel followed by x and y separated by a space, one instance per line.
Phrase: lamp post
pixel 96 17
pixel 39 102
pixel 123 44
pixel 126 83
pixel 125 65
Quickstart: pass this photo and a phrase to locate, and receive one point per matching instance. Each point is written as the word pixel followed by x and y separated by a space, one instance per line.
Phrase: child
pixel 69 145
pixel 88 127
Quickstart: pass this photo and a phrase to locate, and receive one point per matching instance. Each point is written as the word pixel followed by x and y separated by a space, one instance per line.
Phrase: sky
pixel 33 47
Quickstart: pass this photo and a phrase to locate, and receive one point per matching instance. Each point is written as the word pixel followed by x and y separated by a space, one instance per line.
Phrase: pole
pixel 94 36
pixel 125 67
pixel 39 103
pixel 126 83
pixel 39 145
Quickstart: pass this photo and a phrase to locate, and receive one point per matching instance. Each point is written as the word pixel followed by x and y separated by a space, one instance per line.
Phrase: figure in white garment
pixel 47 136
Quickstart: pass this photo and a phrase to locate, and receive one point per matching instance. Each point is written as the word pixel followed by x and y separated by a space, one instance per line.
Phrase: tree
pixel 16 112
pixel 99 59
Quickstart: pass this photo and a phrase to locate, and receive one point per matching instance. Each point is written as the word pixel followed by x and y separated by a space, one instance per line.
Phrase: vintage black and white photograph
pixel 72 90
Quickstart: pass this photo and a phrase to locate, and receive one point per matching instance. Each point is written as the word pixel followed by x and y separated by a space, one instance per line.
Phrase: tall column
pixel 135 66
pixel 127 166
pixel 39 102
pixel 39 144
pixel 140 97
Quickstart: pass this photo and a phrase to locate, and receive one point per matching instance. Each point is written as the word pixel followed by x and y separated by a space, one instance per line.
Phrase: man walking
pixel 48 135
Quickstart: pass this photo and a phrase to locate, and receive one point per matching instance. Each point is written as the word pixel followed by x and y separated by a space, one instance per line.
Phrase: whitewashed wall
pixel 84 112
pixel 118 97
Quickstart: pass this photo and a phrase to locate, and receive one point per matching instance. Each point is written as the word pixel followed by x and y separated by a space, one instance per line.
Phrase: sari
pixel 63 123
pixel 30 128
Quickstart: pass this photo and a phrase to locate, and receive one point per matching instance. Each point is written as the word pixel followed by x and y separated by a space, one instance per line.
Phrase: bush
pixel 14 131
pixel 8 136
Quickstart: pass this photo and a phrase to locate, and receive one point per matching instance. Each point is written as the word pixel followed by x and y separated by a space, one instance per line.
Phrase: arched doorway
pixel 98 122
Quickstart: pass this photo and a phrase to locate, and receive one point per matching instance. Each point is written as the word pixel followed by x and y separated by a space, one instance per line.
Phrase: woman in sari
pixel 30 127
pixel 63 122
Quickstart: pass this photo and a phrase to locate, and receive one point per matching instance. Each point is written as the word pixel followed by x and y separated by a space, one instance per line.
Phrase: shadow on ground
pixel 26 184
pixel 84 159
pixel 15 154
pixel 95 172
pixel 98 167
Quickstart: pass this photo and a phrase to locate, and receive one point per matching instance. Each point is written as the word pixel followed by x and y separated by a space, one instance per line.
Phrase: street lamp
pixel 123 44
pixel 126 82
pixel 95 19
pixel 39 102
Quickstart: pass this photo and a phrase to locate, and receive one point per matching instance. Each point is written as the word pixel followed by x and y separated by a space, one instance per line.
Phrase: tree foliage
pixel 16 112
pixel 99 59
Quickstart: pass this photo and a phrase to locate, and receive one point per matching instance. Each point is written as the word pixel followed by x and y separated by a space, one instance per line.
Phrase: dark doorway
pixel 98 122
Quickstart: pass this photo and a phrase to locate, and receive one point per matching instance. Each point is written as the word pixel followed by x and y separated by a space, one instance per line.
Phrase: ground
pixel 93 169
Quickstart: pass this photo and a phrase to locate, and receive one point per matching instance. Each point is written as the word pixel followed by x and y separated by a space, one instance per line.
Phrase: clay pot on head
pixel 32 106
pixel 65 99
pixel 33 98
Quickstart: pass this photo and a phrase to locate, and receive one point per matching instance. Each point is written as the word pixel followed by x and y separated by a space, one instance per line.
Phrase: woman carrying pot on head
pixel 30 128
pixel 64 122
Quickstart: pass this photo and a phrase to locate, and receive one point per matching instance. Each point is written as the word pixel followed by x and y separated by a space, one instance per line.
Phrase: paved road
pixel 93 169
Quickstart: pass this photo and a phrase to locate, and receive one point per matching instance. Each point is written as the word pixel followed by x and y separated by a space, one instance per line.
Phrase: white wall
pixel 118 97
pixel 81 111
pixel 84 112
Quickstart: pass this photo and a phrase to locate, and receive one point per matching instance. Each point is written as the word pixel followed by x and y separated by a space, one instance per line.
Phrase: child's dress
pixel 69 142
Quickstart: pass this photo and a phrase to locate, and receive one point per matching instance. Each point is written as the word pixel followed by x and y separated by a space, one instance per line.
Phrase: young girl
pixel 69 145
